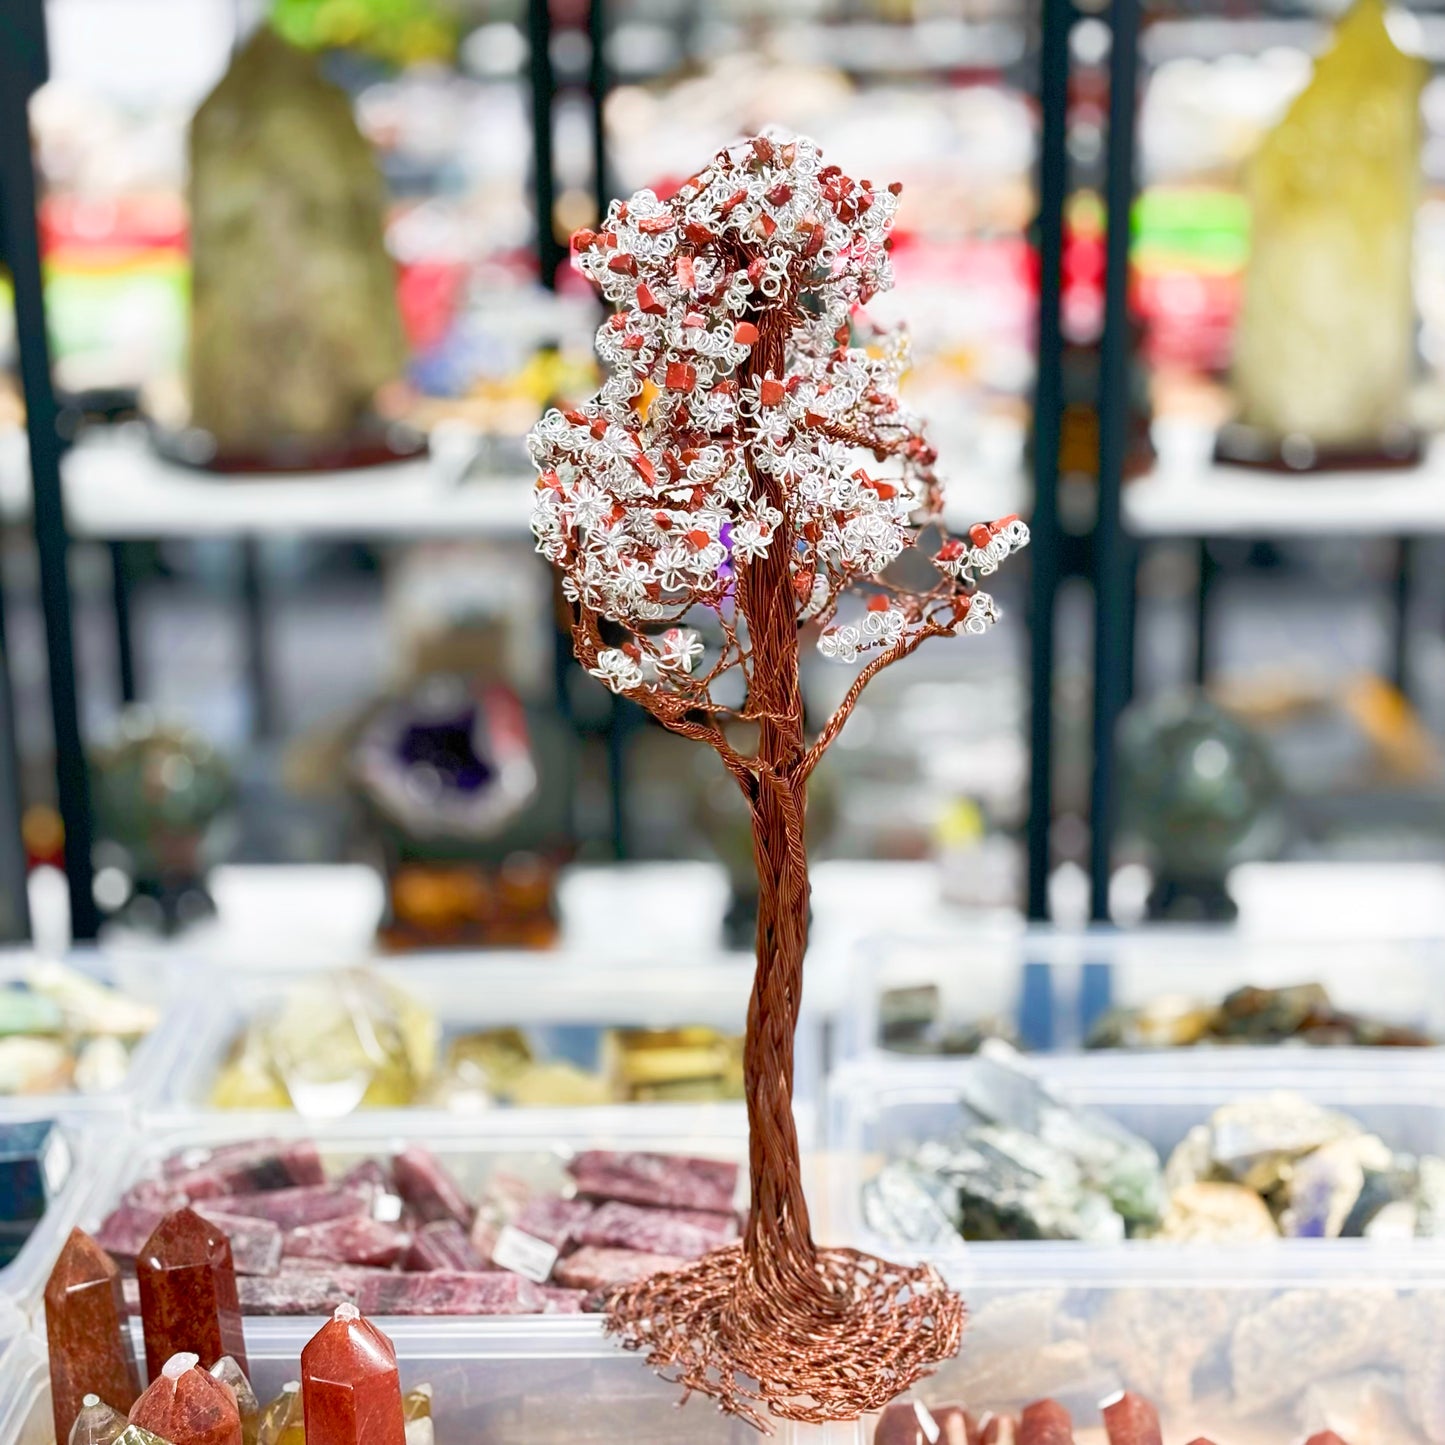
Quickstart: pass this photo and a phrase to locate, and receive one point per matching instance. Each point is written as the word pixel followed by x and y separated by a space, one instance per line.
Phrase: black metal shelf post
pixel 550 252
pixel 1113 569
pixel 1045 547
pixel 23 67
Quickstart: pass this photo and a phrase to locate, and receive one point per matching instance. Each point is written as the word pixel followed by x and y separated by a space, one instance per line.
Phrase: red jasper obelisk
pixel 186 1406
pixel 188 1297
pixel 85 1327
pixel 350 1388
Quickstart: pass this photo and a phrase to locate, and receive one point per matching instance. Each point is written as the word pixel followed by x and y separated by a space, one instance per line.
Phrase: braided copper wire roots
pixel 871 1330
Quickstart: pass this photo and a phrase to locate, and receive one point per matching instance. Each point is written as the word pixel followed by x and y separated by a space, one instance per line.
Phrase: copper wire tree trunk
pixel 779 1242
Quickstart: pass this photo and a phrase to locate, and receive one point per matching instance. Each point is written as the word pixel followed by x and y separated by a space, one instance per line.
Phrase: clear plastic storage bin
pixel 512 1382
pixel 1241 1344
pixel 150 1058
pixel 556 997
pixel 1050 988
pixel 533 1144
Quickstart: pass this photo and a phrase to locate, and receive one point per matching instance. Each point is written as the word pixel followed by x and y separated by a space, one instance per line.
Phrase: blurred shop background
pixel 305 293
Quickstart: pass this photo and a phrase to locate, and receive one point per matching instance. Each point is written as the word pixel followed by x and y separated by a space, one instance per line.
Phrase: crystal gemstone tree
pixel 747 477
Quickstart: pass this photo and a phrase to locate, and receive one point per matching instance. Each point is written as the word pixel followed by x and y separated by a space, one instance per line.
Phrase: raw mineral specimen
pixel 449 1292
pixel 906 1422
pixel 1326 340
pixel 1217 1214
pixel 658 1179
pixel 296 1291
pixel 594 1268
pixel 295 1208
pixel 444 1244
pixel 188 1296
pixel 350 1387
pixel 256 1244
pixel 85 1328
pixel 424 1183
pixel 186 1406
pixel 557 1300
pixel 34 1163
pixel 351 1241
pixel 230 1374
pixel 259 1164
pixel 96 1424
pixel 552 1218
pixel 294 315
pixel 686 1233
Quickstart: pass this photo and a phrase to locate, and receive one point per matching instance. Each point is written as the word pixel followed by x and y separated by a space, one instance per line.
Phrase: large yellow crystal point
pixel 1325 346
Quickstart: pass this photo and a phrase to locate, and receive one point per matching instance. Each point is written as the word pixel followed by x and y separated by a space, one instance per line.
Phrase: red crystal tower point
pixel 350 1388
pixel 85 1327
pixel 1129 1419
pixel 188 1296
pixel 186 1406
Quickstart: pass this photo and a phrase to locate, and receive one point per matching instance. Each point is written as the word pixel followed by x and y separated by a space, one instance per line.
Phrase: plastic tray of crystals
pixel 149 1056
pixel 1265 1341
pixel 506 1382
pixel 930 995
pixel 529 1145
pixel 563 1003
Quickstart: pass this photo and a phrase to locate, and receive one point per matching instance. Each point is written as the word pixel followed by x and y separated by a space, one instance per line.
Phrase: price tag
pixel 524 1254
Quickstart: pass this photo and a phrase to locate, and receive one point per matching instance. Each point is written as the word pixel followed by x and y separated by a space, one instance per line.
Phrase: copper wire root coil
pixel 869 1331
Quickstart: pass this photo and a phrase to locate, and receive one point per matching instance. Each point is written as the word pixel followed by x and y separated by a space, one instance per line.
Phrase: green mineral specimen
pixel 295 323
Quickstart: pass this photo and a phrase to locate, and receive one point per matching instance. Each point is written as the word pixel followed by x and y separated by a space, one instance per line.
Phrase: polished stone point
pixel 186 1406
pixel 229 1373
pixel 188 1295
pixel 85 1328
pixel 1130 1419
pixel 282 1422
pixel 1045 1422
pixel 350 1387
pixel 97 1423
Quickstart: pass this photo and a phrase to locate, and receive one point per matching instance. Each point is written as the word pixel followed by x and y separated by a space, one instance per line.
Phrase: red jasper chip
pixel 644 467
pixel 583 239
pixel 814 242
pixel 696 232
pixel 550 480
pixel 617 321
pixel 745 333
pixel 623 264
pixel 698 538
pixel 686 272
pixel 762 148
pixel 878 603
pixel 895 188
pixel 656 225
pixel 647 303
pixel 681 376
pixel 635 342
pixel 663 521
pixel 690 455
pixel 609 240
pixel 755 269
pixel 951 550
pixel 979 534
pixel 694 319
pixel 779 195
pixel 768 226
pixel 770 393
pixel 813 418
pixel 803 584
pixel 732 202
